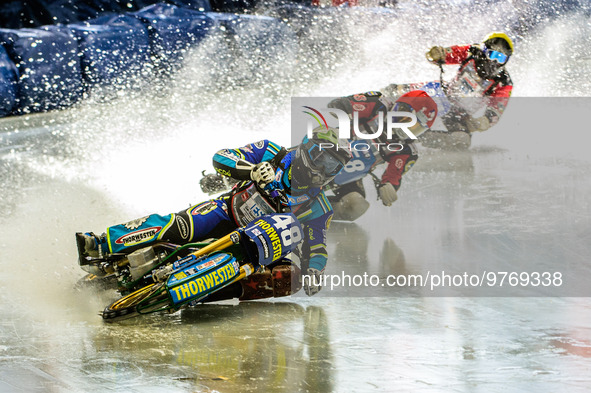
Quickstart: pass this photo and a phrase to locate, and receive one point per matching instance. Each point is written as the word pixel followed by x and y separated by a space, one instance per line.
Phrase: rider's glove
pixel 436 55
pixel 476 124
pixel 262 173
pixel 388 194
pixel 312 284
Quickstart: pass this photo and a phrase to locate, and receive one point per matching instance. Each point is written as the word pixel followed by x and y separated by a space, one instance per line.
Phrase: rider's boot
pixel 90 248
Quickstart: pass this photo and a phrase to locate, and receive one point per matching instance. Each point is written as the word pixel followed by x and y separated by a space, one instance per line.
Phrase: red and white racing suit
pixel 470 91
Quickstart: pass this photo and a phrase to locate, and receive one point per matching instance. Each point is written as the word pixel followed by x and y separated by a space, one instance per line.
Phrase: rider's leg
pixel 202 221
pixel 199 222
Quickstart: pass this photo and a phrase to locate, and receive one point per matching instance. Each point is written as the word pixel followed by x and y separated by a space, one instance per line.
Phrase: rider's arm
pixel 238 163
pixel 342 103
pixel 315 219
pixel 398 164
pixel 456 54
pixel 315 241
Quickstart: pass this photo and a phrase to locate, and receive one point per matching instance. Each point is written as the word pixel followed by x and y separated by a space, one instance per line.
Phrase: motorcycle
pixel 165 277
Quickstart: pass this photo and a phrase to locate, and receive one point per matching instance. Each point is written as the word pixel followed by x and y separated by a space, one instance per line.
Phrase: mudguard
pixel 274 236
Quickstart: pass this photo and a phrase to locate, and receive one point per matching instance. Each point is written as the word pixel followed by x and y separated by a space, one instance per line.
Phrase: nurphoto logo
pixel 345 123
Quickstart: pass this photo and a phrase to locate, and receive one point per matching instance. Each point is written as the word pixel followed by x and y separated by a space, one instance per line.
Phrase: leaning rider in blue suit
pixel 263 168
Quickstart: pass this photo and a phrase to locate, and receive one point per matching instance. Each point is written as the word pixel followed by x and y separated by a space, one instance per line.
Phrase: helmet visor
pixel 495 55
pixel 321 160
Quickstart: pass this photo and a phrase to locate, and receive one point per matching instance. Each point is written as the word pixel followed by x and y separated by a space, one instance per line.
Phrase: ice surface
pixel 518 199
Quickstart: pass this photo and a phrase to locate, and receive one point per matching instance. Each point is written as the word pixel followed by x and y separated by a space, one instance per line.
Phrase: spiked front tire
pixel 143 301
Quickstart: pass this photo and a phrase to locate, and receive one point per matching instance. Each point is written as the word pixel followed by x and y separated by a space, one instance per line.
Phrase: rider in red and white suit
pixel 480 91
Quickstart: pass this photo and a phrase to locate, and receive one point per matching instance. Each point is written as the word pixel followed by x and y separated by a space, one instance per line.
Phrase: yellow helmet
pixel 501 36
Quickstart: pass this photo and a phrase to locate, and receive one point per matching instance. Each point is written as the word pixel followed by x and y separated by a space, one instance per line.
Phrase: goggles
pixel 494 55
pixel 322 160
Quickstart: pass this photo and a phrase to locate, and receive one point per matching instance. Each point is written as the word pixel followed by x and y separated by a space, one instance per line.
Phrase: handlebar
pixel 277 193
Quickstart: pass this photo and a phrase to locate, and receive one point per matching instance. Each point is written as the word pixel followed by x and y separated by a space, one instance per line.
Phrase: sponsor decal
pixel 298 200
pixel 265 246
pixel 206 265
pixel 183 261
pixel 135 224
pixel 235 237
pixel 183 227
pixel 138 236
pixel 399 163
pixel 273 237
pixel 203 266
pixel 212 262
pixel 359 97
pixel 228 154
pixel 259 144
pixel 223 172
pixel 202 284
pixel 358 107
pixel 409 165
pixel 252 206
pixel 204 208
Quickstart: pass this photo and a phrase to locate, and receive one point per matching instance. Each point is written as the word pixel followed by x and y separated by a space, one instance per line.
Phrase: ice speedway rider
pixel 263 168
pixel 400 152
pixel 475 99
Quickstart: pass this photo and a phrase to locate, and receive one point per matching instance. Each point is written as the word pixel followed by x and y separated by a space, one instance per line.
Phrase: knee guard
pixel 350 207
